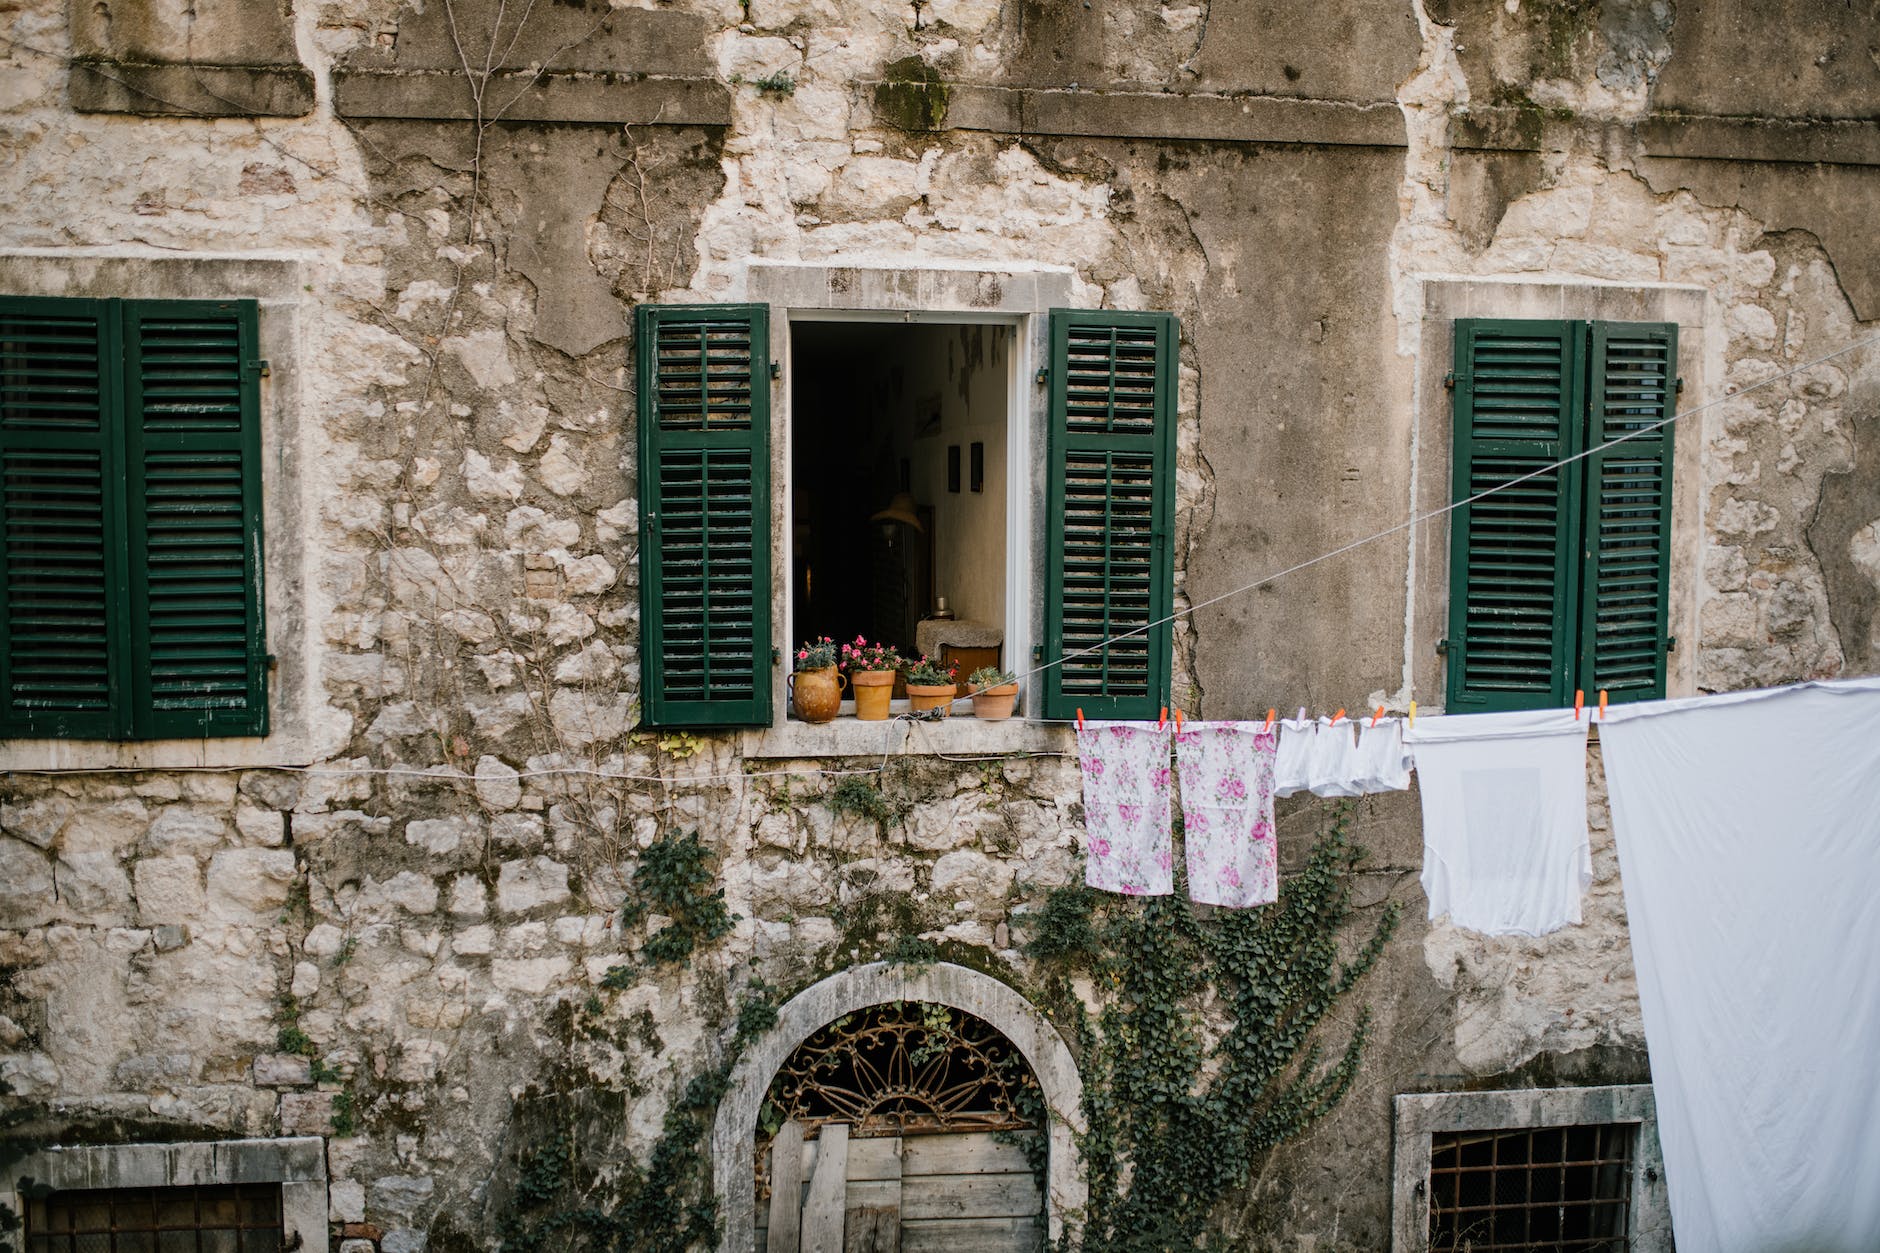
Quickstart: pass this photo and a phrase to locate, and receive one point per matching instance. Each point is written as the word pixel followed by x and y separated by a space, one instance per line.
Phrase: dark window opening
pixel 878 539
pixel 1537 1188
pixel 244 1218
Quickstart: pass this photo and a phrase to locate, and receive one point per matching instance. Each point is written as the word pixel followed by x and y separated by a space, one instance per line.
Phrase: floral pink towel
pixel 1127 812
pixel 1227 812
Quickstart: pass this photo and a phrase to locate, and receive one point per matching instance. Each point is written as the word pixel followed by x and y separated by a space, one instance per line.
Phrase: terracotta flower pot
pixel 816 695
pixel 995 703
pixel 873 689
pixel 923 697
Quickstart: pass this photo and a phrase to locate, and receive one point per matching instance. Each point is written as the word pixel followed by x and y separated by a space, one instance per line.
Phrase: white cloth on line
pixel 1332 759
pixel 1227 812
pixel 1290 764
pixel 1382 765
pixel 1748 829
pixel 1505 849
pixel 1127 809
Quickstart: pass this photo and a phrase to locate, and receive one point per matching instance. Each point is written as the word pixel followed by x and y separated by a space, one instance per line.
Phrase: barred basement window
pixel 1528 1188
pixel 238 1218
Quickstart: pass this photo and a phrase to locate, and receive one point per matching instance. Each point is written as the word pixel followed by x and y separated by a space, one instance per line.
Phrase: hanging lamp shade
pixel 901 509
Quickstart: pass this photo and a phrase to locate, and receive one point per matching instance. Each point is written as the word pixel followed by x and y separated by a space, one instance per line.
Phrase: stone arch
pixel 734 1133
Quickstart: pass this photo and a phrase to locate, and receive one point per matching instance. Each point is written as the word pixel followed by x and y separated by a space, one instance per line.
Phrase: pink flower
pixel 1129 813
pixel 1233 788
pixel 802 654
pixel 1099 847
pixel 1230 876
pixel 1164 859
pixel 1132 889
pixel 1160 779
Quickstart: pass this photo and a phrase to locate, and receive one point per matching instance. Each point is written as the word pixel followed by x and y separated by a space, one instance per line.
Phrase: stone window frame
pixel 1432 448
pixel 1418 1115
pixel 297 1163
pixel 1017 297
pixel 275 284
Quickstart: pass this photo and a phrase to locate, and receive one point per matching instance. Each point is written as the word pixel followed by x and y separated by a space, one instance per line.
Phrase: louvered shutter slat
pixel 199 656
pixel 1626 572
pixel 60 566
pixel 1112 432
pixel 1518 396
pixel 703 416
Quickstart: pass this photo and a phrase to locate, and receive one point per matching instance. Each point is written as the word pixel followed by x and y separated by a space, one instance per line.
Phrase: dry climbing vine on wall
pixel 1178 1111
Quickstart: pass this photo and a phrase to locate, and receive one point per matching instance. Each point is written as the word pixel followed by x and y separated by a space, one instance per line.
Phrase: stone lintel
pixel 1807 141
pixel 179 89
pixel 1201 116
pixel 611 99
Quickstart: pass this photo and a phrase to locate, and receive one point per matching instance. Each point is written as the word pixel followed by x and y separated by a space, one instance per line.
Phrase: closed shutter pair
pixel 705 509
pixel 1559 580
pixel 130 520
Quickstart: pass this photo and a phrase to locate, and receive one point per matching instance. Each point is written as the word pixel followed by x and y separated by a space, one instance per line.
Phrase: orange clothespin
pixel 1270 715
pixel 1602 704
pixel 1413 713
pixel 1163 720
pixel 1377 715
pixel 1337 716
pixel 1178 722
pixel 1579 703
pixel 1080 717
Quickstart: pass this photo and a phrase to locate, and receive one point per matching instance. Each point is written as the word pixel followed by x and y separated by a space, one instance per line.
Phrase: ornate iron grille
pixel 1532 1188
pixel 904 1068
pixel 242 1218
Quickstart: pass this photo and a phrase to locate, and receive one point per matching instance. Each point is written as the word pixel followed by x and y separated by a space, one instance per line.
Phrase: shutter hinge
pixel 274 663
pixel 1449 380
pixel 260 366
pixel 1037 652
pixel 776 369
pixel 1044 375
pixel 1442 647
pixel 1680 390
pixel 1671 643
pixel 776 656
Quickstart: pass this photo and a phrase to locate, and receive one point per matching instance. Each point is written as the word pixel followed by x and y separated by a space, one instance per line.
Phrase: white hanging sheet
pixel 1748 828
pixel 1505 849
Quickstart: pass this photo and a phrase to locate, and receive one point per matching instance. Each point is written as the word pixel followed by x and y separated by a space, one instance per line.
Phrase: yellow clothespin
pixel 1413 713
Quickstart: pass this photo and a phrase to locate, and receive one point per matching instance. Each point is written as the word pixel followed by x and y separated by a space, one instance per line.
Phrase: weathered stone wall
pixel 432 900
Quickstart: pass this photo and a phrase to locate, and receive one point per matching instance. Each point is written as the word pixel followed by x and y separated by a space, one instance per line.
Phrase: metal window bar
pixel 1532 1188
pixel 235 1218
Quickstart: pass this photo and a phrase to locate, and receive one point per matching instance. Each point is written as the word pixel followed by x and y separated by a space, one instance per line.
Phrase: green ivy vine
pixel 1177 1115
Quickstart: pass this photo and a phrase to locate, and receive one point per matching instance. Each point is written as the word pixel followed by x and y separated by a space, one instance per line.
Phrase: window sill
pixel 961 736
pixel 280 749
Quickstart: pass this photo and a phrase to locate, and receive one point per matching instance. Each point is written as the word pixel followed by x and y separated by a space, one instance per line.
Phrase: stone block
pixel 169 937
pixel 306 1113
pixel 533 975
pixel 92 885
pixel 525 885
pixel 37 822
pixel 27 897
pixel 282 1070
pixel 969 875
pixel 497 783
pixel 346 1201
pixel 179 830
pixel 244 882
pixel 168 889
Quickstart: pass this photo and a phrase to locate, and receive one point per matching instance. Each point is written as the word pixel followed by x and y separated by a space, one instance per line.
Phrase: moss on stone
pixel 913 97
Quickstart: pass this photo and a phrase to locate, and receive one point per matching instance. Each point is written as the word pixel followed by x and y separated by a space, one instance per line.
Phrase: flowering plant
pixel 861 656
pixel 990 676
pixel 816 654
pixel 924 673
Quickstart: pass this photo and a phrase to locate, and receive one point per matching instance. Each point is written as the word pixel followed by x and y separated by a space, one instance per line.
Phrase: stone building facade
pixel 446 214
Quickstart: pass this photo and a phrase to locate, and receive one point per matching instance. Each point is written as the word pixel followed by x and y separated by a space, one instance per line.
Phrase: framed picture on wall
pixel 953 467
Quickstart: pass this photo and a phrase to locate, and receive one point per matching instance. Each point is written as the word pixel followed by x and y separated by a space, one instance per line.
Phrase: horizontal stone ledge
pixel 524 97
pixel 1808 141
pixel 1197 116
pixel 187 90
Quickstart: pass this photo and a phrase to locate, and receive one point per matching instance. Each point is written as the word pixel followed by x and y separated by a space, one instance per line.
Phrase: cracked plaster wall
pixel 472 564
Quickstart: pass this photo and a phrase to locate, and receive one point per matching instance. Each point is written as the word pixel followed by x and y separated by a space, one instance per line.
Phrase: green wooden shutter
pixel 704 443
pixel 1111 495
pixel 1513 566
pixel 1626 556
pixel 198 655
pixel 61 568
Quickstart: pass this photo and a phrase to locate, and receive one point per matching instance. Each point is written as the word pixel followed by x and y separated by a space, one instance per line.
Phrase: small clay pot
pixel 923 697
pixel 994 704
pixel 816 695
pixel 873 690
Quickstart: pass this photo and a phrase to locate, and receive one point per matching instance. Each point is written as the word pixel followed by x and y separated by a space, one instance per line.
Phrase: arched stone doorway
pixel 979 997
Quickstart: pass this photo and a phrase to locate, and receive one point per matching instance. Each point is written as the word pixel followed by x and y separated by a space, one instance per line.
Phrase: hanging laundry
pixel 1332 761
pixel 1748 828
pixel 1505 849
pixel 1290 765
pixel 1227 812
pixel 1127 809
pixel 1382 765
